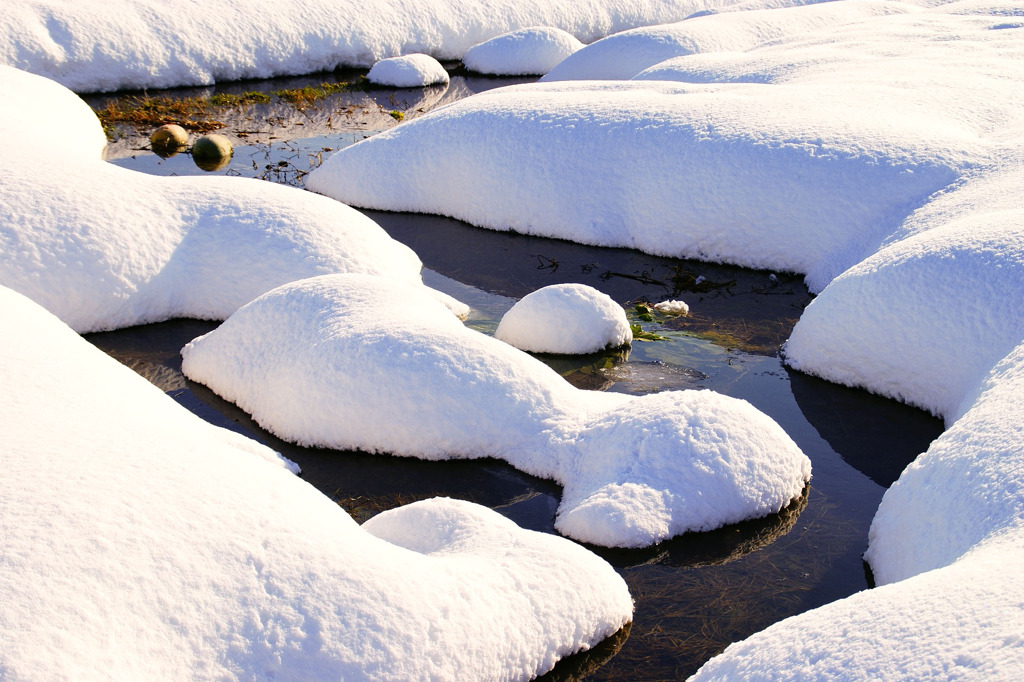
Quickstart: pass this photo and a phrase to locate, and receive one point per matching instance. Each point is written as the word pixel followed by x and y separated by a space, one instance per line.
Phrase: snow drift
pixel 624 55
pixel 874 148
pixel 103 247
pixel 125 44
pixel 142 543
pixel 362 362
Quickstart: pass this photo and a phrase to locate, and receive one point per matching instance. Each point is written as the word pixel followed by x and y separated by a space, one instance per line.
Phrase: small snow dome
pixel 409 71
pixel 571 319
pixel 526 52
pixel 672 307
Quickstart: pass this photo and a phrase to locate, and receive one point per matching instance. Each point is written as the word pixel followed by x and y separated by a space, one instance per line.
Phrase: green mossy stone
pixel 212 152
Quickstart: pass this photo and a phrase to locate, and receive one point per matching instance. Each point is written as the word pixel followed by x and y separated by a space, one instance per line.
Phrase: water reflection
pixel 350 114
pixel 712 548
pixel 581 665
pixel 749 310
pixel 875 435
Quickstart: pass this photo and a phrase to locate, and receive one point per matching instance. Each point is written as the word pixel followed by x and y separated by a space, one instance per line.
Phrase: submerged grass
pixel 147 111
pixel 300 97
pixel 753 336
pixel 200 114
pixel 224 99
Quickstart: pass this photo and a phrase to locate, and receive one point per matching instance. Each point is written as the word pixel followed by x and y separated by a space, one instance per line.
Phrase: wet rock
pixel 168 140
pixel 212 152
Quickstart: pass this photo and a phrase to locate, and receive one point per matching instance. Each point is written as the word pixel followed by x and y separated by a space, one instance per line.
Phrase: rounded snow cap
pixel 410 71
pixel 527 52
pixel 672 307
pixel 571 319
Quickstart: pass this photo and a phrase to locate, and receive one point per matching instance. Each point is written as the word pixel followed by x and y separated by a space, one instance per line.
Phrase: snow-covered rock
pixel 573 319
pixel 408 71
pixel 94 45
pixel 140 542
pixel 362 362
pixel 527 52
pixel 104 247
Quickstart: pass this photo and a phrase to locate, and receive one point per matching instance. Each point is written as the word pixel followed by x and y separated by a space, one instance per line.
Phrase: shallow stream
pixel 695 594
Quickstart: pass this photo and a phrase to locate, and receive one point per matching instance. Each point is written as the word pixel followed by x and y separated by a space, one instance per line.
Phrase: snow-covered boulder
pixel 573 319
pixel 527 52
pixel 408 71
pixel 104 247
pixel 360 362
pixel 140 542
pixel 93 46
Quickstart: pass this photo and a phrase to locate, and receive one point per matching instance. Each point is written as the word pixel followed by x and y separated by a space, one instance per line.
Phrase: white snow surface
pixel 672 307
pixel 140 542
pixel 408 71
pixel 779 157
pixel 103 45
pixel 572 319
pixel 874 147
pixel 526 52
pixel 103 247
pixel 623 55
pixel 370 363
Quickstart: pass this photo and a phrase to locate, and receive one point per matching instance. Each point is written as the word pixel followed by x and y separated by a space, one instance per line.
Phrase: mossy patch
pixel 300 97
pixel 149 111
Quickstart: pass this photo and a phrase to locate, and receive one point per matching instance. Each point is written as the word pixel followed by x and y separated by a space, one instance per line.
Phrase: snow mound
pixel 408 71
pixel 361 362
pixel 526 52
pixel 945 294
pixel 624 55
pixel 573 319
pixel 774 158
pixel 961 623
pixel 947 546
pixel 92 46
pixel 103 247
pixel 142 543
pixel 715 174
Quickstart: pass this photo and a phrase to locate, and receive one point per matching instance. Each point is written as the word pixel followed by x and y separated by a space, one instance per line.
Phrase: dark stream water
pixel 694 594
